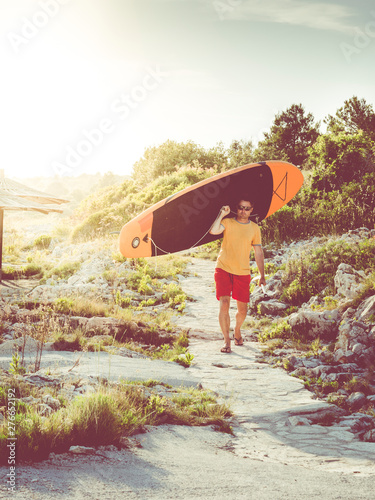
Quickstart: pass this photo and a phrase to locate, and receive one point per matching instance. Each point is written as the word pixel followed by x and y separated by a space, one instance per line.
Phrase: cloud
pixel 315 15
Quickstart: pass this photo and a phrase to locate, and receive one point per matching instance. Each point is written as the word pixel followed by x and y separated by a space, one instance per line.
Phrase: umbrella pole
pixel 1 242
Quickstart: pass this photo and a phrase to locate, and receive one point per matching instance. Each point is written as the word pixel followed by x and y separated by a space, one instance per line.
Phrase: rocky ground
pixel 288 442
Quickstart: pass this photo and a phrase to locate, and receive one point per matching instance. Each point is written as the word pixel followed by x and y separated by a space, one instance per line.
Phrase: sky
pixel 88 85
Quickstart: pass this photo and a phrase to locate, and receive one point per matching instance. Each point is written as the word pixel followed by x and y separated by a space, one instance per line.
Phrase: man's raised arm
pixel 217 227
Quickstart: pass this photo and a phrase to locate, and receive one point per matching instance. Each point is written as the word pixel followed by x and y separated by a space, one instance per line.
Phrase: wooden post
pixel 1 242
pixel 1 232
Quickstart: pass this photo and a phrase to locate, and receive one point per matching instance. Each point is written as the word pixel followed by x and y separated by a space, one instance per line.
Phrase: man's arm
pixel 259 259
pixel 217 227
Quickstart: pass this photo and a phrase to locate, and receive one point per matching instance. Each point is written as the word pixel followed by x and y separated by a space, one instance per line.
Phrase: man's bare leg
pixel 240 318
pixel 224 318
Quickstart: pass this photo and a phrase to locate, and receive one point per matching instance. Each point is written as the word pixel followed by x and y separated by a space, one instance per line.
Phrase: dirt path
pixel 267 458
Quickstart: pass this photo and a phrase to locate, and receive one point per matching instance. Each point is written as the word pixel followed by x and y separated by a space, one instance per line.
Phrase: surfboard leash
pixel 192 246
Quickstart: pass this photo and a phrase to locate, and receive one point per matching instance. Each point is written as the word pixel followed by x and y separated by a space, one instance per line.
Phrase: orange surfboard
pixel 183 220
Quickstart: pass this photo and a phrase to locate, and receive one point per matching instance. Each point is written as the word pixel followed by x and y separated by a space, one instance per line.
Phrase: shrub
pixel 314 270
pixel 81 306
pixel 103 417
pixel 65 270
pixel 176 297
pixel 277 330
pixel 43 241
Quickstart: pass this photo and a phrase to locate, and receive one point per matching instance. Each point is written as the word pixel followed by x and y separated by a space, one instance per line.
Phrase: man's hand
pixel 261 281
pixel 224 211
pixel 259 259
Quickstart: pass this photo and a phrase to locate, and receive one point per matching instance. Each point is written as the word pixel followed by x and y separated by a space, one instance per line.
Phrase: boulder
pixel 313 324
pixel 351 333
pixel 272 290
pixel 356 400
pixel 369 436
pixel 27 343
pixel 366 311
pixel 82 450
pixel 107 326
pixel 51 402
pixel 44 409
pixel 348 281
pixel 297 420
pixel 272 307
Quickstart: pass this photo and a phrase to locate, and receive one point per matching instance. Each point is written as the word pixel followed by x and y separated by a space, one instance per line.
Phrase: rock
pixel 297 420
pixel 358 422
pixel 126 442
pixel 108 326
pixel 272 307
pixel 366 310
pixel 311 324
pixel 29 400
pixel 82 450
pixel 348 281
pixel 356 400
pixel 84 389
pixel 44 409
pixel 358 348
pixel 51 402
pixel 311 363
pixel 256 297
pixel 339 355
pixel 322 370
pixel 48 346
pixel 294 362
pixel 369 436
pixel 325 415
pixel 351 332
pixel 349 357
pixel 42 380
pixel 299 372
pixel 27 343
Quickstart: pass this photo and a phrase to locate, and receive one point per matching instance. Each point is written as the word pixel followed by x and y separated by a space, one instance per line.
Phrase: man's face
pixel 244 209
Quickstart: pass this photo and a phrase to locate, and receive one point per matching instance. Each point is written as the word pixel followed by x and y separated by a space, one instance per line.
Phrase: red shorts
pixel 231 284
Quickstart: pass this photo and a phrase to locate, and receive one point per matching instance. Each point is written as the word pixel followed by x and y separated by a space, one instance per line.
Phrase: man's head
pixel 244 209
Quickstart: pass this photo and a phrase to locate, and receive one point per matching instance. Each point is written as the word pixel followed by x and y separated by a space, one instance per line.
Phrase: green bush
pixel 314 271
pixel 339 159
pixel 102 418
pixel 176 297
pixel 43 241
pixel 65 270
pixel 30 270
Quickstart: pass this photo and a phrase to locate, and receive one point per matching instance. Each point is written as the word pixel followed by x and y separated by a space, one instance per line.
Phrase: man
pixel 232 273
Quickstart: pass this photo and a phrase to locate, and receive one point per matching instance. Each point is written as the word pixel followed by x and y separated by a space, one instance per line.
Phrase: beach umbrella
pixel 16 196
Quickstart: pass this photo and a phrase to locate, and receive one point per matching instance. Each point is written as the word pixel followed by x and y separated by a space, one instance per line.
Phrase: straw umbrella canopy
pixel 16 196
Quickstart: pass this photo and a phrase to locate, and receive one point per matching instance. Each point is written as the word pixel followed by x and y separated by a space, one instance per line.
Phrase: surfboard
pixel 182 221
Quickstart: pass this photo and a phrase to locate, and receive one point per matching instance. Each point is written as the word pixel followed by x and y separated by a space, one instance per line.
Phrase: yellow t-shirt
pixel 238 241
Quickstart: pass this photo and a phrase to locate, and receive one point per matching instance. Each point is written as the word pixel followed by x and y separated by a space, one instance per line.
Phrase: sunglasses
pixel 242 207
